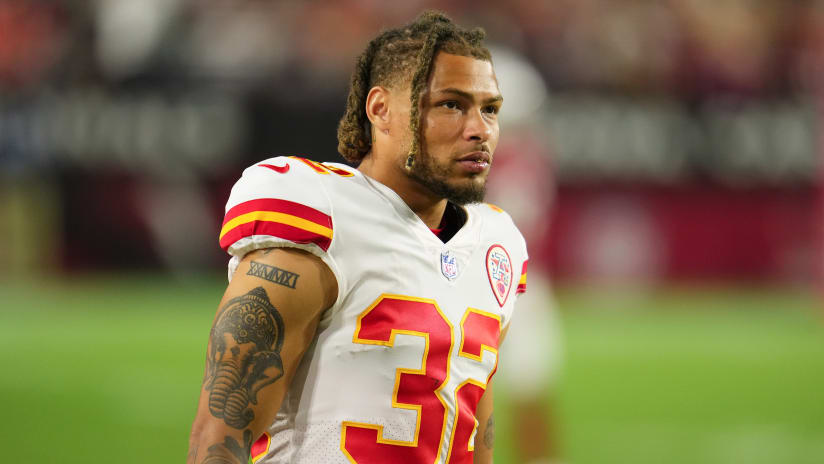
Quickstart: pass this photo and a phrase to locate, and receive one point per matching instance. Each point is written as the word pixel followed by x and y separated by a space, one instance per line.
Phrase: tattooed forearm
pixel 191 458
pixel 230 451
pixel 244 356
pixel 489 433
pixel 273 274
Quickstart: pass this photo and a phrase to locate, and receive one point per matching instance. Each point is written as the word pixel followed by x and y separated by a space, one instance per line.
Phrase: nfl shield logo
pixel 449 265
pixel 499 270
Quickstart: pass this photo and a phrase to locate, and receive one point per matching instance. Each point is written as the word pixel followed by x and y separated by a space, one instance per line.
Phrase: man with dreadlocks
pixel 365 306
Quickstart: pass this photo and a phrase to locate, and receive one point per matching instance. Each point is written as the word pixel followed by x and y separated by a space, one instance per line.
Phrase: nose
pixel 477 127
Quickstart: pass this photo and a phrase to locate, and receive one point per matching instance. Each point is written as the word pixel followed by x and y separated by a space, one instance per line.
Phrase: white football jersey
pixel 403 356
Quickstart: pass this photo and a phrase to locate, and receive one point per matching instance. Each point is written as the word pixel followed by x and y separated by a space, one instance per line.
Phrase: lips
pixel 476 156
pixel 475 162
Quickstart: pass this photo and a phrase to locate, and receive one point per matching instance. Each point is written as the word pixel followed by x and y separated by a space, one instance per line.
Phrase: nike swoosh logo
pixel 281 169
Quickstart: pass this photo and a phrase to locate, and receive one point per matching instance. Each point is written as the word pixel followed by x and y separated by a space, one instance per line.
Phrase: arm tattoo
pixel 230 451
pixel 489 433
pixel 191 458
pixel 273 274
pixel 235 376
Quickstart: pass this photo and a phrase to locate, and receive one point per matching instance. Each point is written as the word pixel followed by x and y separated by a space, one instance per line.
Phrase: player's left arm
pixel 485 437
pixel 484 414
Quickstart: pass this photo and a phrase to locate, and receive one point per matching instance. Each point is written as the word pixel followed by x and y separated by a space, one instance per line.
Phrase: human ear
pixel 377 108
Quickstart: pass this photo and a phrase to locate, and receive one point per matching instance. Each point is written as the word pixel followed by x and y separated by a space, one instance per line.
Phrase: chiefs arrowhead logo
pixel 499 270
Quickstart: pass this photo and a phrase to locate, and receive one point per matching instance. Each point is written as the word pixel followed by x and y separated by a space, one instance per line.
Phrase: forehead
pixel 464 73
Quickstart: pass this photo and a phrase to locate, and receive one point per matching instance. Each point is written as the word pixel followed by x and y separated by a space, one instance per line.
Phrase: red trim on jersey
pixel 319 168
pixel 522 281
pixel 289 231
pixel 280 206
pixel 275 229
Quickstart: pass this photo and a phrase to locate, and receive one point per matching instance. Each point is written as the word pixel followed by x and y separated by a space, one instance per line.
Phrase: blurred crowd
pixel 144 111
pixel 205 83
pixel 305 48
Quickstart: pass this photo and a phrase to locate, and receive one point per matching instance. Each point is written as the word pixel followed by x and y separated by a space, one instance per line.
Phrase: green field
pixel 99 370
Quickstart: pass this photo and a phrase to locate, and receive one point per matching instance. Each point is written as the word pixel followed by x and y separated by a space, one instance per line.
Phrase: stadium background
pixel 672 155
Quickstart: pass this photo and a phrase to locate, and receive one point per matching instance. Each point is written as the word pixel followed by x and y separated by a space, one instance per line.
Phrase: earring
pixel 410 160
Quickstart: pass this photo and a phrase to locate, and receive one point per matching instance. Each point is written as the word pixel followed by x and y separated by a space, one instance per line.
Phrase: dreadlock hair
pixel 388 60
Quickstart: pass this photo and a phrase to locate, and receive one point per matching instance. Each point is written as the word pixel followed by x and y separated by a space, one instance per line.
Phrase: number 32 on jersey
pixel 422 390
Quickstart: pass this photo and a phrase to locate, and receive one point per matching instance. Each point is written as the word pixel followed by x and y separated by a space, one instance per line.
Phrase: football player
pixel 366 306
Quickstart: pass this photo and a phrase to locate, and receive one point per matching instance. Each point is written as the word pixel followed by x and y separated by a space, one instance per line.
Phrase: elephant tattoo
pixel 230 451
pixel 252 330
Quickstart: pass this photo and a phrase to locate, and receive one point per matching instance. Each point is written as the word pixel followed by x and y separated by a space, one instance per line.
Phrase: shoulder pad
pixel 275 201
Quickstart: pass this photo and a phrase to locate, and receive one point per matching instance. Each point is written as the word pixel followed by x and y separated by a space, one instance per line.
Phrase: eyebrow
pixel 469 96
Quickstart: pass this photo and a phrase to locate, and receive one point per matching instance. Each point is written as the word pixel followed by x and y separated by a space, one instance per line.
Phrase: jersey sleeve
pixel 277 203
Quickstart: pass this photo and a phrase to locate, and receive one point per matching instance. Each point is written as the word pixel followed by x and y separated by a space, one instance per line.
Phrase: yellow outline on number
pixel 399 371
pixel 494 350
pixel 471 444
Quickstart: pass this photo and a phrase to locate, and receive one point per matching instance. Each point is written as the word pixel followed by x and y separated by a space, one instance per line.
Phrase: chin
pixel 467 192
pixel 443 182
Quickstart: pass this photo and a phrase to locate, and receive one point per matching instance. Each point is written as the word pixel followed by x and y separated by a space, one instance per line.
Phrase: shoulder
pixel 496 219
pixel 501 229
pixel 285 176
pixel 279 201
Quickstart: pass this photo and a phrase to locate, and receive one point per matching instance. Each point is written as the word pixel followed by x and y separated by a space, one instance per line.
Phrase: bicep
pixel 264 323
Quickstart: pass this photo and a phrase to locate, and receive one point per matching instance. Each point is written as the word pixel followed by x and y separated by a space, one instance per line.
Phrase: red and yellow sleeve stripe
pixel 260 447
pixel 522 283
pixel 279 218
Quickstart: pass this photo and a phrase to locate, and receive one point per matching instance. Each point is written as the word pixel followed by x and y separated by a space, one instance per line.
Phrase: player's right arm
pixel 278 228
pixel 264 323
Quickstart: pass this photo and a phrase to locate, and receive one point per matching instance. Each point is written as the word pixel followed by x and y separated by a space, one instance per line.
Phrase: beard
pixel 435 177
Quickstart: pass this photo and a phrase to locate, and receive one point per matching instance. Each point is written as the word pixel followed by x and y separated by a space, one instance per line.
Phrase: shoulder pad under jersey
pixel 278 202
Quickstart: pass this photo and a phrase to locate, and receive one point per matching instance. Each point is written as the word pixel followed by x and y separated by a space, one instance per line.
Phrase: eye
pixel 450 104
pixel 492 109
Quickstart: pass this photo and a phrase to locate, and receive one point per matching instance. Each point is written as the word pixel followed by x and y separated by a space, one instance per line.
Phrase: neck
pixel 421 201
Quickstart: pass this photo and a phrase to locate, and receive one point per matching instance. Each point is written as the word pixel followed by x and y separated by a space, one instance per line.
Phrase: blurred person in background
pixel 365 307
pixel 530 364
